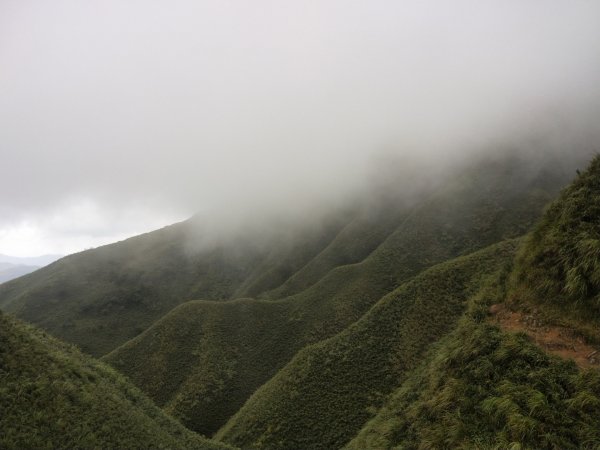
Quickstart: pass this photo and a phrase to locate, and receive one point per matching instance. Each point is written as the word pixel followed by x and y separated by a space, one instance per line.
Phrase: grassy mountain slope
pixel 174 360
pixel 559 264
pixel 483 388
pixel 359 238
pixel 204 359
pixel 52 396
pixel 290 254
pixel 99 299
pixel 103 297
pixel 478 387
pixel 330 387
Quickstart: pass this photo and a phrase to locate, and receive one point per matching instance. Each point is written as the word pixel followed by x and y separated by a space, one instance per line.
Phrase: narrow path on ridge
pixel 560 341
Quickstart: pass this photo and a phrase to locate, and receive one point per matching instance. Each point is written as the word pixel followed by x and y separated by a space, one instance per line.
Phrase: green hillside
pixel 204 359
pixel 360 237
pixel 559 265
pixel 477 387
pixel 325 394
pixel 483 388
pixel 52 396
pixel 366 328
pixel 100 298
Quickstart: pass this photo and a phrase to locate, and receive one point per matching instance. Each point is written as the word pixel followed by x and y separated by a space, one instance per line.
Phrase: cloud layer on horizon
pixel 151 110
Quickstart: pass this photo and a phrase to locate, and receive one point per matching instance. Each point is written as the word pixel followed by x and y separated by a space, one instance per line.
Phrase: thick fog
pixel 121 116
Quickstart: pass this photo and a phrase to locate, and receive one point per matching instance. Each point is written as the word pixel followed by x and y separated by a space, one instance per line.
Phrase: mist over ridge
pixel 322 224
pixel 121 114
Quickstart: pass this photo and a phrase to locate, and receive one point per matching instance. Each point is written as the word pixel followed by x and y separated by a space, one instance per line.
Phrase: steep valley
pixel 368 329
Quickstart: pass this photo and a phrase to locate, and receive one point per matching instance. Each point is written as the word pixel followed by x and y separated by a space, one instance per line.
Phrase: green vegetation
pixel 52 396
pixel 359 238
pixel 101 298
pixel 561 259
pixel 559 264
pixel 202 361
pixel 330 388
pixel 367 329
pixel 482 388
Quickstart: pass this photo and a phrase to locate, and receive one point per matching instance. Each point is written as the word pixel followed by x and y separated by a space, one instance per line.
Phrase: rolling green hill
pixel 325 394
pixel 477 387
pixel 364 329
pixel 483 388
pixel 203 360
pixel 100 298
pixel 360 237
pixel 559 264
pixel 52 396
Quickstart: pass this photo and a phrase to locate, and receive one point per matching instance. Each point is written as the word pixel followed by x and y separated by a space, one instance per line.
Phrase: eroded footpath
pixel 560 341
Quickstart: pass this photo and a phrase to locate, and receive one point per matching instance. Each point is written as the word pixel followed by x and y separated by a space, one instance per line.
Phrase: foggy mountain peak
pixel 123 117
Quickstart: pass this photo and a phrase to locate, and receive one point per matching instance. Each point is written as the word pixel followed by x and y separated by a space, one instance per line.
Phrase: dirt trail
pixel 555 340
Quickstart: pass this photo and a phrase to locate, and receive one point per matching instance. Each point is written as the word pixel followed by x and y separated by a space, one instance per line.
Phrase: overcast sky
pixel 118 116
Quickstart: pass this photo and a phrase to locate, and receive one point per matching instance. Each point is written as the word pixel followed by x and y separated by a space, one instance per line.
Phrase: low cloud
pixel 241 109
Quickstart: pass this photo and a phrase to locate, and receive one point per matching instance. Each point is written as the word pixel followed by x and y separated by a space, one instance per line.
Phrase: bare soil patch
pixel 560 341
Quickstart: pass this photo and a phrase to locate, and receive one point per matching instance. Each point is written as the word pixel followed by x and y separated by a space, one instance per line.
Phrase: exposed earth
pixel 560 341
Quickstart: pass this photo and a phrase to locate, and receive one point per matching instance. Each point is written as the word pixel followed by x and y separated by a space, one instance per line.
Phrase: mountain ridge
pixel 10 271
pixel 375 294
pixel 450 223
pixel 52 396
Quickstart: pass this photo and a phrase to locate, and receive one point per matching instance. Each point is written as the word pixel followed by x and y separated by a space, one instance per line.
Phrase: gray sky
pixel 122 116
